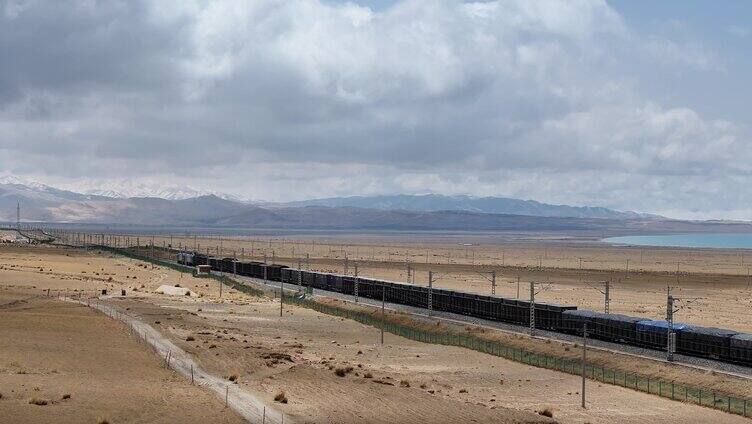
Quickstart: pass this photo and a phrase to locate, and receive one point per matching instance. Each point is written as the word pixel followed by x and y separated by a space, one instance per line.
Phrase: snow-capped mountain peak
pixel 112 189
pixel 126 189
pixel 24 182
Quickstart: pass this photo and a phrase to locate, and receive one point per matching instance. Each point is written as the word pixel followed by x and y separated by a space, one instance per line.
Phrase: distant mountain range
pixel 403 213
pixel 118 189
pixel 493 205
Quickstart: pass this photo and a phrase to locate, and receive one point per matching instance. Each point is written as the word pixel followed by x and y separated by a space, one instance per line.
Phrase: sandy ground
pixel 50 349
pixel 712 286
pixel 299 354
pixel 470 250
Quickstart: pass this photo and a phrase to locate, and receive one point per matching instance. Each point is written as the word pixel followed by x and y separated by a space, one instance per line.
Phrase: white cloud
pixel 295 99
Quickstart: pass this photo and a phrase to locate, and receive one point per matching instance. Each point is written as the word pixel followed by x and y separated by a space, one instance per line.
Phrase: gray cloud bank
pixel 284 100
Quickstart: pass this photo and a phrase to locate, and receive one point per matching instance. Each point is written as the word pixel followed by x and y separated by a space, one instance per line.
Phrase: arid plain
pixel 243 337
pixel 713 287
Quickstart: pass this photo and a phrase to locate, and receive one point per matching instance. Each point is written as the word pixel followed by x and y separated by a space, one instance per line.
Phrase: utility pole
pixel 18 216
pixel 607 297
pixel 346 264
pixel 430 293
pixel 518 288
pixel 532 308
pixel 409 271
pixel 671 336
pixel 584 360
pixel 356 282
pixel 493 283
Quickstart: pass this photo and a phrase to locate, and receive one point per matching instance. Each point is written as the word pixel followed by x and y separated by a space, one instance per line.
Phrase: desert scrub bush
pixel 546 412
pixel 281 397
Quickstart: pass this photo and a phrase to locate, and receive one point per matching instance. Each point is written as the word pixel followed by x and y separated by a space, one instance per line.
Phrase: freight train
pixel 705 342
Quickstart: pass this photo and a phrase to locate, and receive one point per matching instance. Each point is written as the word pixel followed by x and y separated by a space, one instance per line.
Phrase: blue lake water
pixel 720 241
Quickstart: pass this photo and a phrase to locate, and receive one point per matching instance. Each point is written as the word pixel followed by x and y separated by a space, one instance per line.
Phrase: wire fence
pixel 656 386
pixel 667 389
pixel 247 405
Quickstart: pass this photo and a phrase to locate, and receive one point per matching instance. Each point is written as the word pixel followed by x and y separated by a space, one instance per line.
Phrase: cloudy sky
pixel 624 104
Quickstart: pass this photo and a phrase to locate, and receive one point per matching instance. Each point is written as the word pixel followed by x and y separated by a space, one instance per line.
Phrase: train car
pixel 287 275
pixel 707 342
pixel 369 288
pixel 654 333
pixel 185 258
pixel 227 265
pixel 549 316
pixel 250 269
pixel 273 272
pixel 740 348
pixel 616 327
pixel 214 263
pixel 407 294
pixel 574 321
pixel 200 259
